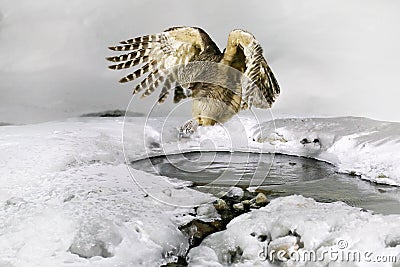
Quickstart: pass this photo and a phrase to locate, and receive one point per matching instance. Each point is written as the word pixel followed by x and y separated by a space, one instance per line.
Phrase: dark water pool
pixel 278 175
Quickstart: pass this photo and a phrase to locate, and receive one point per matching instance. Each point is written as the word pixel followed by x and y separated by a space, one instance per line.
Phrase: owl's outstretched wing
pixel 158 54
pixel 259 86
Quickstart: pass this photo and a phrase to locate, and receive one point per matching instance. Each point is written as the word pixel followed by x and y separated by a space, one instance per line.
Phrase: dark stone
pixel 69 198
pixel 236 255
pixel 220 205
pixel 197 230
pixel 181 262
pixel 353 173
pixel 304 141
pixel 113 113
pixel 262 238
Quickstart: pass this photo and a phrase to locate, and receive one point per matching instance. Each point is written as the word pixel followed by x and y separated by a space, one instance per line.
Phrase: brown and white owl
pixel 185 60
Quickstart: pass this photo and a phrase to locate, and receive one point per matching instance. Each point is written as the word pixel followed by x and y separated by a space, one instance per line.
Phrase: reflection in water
pixel 278 175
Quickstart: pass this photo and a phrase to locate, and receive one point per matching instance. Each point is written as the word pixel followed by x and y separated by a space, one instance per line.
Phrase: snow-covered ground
pixel 67 198
pixel 337 234
pixel 65 191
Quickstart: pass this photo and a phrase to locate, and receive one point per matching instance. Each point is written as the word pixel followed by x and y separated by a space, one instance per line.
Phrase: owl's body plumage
pixel 220 84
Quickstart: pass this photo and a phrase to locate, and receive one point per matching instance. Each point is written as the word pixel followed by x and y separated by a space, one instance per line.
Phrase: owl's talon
pixel 188 128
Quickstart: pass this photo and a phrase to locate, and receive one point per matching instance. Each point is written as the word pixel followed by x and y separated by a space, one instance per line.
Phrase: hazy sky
pixel 331 58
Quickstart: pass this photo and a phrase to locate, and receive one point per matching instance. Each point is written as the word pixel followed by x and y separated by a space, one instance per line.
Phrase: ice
pixel 97 238
pixel 355 145
pixel 204 256
pixel 207 212
pixel 235 192
pixel 314 226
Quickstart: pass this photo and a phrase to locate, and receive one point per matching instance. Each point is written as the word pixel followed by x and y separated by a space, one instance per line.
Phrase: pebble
pixel 261 199
pixel 246 203
pixel 262 238
pixel 238 207
pixel 220 204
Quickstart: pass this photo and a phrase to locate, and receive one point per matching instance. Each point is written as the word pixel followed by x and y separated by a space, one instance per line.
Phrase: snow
pixel 355 145
pixel 68 199
pixel 67 196
pixel 317 226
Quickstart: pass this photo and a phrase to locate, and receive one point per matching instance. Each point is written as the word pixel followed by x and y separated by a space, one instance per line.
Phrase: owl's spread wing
pixel 259 86
pixel 158 53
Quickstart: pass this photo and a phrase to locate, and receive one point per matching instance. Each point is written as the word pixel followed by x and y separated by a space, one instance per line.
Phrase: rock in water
pixel 238 207
pixel 220 205
pixel 261 199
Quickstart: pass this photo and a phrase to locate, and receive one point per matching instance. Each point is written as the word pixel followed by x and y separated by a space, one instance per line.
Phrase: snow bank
pixel 303 225
pixel 68 199
pixel 355 145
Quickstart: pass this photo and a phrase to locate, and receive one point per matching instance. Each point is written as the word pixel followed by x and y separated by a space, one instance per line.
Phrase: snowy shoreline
pixel 301 225
pixel 357 146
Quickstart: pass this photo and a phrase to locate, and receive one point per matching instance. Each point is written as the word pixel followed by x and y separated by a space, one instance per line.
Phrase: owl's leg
pixel 205 121
pixel 188 128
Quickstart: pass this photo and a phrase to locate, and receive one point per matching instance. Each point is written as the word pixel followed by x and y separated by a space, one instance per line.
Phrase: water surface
pixel 279 175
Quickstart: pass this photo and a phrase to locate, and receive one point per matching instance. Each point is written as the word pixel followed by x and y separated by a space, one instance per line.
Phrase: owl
pixel 187 62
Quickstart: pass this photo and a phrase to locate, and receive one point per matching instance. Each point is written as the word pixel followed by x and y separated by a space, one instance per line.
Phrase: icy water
pixel 277 175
